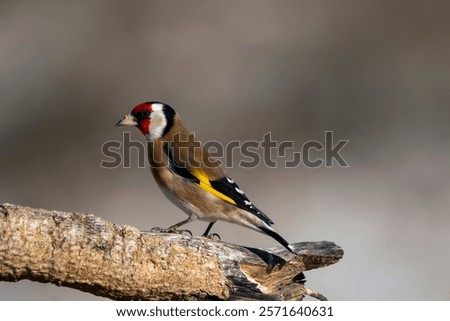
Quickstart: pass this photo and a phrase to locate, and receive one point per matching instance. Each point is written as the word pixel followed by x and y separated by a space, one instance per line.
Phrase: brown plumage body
pixel 189 177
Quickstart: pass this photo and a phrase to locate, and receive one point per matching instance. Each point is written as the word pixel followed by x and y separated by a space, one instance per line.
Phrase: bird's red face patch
pixel 142 114
pixel 144 126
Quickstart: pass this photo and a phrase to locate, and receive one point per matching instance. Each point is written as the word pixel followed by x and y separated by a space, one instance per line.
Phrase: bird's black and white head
pixel 154 119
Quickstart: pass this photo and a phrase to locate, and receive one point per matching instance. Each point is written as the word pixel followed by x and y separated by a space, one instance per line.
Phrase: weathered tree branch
pixel 85 252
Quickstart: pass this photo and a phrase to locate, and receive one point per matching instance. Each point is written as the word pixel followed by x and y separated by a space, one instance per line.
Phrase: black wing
pixel 225 186
pixel 229 188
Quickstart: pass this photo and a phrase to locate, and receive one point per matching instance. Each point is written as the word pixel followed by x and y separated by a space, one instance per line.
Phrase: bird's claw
pixel 213 236
pixel 168 230
pixel 183 232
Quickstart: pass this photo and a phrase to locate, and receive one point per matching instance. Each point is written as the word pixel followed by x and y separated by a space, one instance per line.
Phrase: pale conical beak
pixel 128 120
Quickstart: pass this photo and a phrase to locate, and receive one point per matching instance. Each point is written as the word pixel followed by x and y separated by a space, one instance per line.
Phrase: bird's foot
pixel 183 232
pixel 169 230
pixel 213 236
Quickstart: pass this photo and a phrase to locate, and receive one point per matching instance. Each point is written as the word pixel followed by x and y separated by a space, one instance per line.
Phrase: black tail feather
pixel 278 238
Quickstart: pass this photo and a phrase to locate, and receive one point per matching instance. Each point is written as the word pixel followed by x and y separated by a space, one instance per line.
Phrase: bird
pixel 189 177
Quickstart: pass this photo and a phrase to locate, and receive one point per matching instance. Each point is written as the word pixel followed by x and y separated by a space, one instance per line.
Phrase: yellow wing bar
pixel 206 185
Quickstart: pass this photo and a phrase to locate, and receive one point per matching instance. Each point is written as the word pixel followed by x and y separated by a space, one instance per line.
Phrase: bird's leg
pixel 208 228
pixel 213 235
pixel 173 228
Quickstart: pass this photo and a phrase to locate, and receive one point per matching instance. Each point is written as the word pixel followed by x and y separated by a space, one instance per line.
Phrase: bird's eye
pixel 146 113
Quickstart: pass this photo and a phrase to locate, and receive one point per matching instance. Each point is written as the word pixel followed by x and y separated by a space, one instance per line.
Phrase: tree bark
pixel 85 252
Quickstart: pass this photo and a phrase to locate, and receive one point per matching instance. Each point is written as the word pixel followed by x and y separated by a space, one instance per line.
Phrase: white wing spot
pixel 247 202
pixel 230 180
pixel 239 190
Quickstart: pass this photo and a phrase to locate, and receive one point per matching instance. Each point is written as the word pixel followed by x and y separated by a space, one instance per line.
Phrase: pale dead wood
pixel 85 252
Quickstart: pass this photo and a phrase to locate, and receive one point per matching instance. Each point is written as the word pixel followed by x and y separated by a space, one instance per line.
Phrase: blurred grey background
pixel 374 72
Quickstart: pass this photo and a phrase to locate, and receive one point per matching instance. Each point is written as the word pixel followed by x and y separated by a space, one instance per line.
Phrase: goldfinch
pixel 189 177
